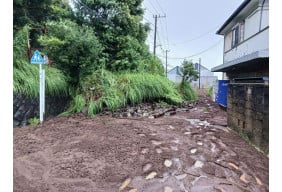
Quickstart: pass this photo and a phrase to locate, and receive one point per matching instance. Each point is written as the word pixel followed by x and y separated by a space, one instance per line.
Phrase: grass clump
pixel 33 121
pixel 104 90
pixel 26 75
pixel 187 92
pixel 210 91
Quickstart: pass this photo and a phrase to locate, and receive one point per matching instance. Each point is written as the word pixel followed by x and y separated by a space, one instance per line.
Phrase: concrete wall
pixel 248 112
pixel 25 108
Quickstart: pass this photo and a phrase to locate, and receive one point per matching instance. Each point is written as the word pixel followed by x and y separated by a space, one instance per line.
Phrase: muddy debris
pixel 128 150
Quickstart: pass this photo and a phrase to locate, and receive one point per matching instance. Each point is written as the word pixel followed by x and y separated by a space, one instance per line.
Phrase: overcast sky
pixel 189 29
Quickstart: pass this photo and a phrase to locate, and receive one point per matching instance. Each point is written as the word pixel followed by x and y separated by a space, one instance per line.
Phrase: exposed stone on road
pixel 124 184
pixel 168 163
pixel 151 175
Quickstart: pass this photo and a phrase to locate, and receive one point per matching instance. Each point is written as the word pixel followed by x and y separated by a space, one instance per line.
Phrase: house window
pixel 235 36
pixel 238 34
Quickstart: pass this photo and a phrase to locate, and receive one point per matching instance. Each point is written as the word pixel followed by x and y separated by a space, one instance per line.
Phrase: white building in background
pixel 206 80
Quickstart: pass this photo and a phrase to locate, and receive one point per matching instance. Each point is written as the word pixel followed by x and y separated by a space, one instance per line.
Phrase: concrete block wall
pixel 25 108
pixel 248 112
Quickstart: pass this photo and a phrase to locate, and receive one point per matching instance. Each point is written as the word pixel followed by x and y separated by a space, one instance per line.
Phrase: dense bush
pixel 105 90
pixel 26 75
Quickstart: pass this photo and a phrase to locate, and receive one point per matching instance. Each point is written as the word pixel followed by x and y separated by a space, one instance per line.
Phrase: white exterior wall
pixel 256 43
pixel 227 41
pixel 252 24
pixel 254 40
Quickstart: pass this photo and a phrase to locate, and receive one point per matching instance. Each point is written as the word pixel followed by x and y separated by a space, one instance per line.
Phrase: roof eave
pixel 234 14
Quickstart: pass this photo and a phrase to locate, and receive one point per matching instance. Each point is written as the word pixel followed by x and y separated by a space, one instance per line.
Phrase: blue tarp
pixel 221 97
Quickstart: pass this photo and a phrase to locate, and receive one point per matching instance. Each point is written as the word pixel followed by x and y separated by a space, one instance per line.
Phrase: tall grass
pixel 106 91
pixel 26 80
pixel 26 75
pixel 187 92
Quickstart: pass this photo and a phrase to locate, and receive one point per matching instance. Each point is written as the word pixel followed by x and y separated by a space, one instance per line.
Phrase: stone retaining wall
pixel 248 112
pixel 25 108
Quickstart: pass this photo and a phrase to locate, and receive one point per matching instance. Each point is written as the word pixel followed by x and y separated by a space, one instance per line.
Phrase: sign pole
pixel 37 59
pixel 40 93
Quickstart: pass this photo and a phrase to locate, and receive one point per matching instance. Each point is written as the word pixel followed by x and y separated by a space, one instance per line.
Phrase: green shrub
pixel 33 121
pixel 187 92
pixel 210 91
pixel 104 90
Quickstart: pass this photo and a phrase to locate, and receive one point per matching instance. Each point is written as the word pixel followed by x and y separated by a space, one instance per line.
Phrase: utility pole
pixel 166 62
pixel 199 73
pixel 155 33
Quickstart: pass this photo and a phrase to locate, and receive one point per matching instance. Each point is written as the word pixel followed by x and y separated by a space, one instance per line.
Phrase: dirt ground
pixel 192 151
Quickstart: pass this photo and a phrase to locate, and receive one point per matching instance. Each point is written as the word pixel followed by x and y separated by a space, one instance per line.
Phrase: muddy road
pixel 191 150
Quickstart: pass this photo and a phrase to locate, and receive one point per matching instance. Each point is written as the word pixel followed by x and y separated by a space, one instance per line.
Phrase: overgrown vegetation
pixel 33 121
pixel 104 90
pixel 97 51
pixel 210 91
pixel 26 75
pixel 189 74
pixel 187 92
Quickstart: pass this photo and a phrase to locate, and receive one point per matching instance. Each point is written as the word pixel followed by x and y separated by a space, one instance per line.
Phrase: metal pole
pixel 40 93
pixel 199 73
pixel 166 62
pixel 155 34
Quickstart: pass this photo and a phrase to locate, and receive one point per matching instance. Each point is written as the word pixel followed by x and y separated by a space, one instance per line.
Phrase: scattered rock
pixel 233 165
pixel 258 181
pixel 243 177
pixel 198 164
pixel 174 148
pixel 168 189
pixel 144 150
pixel 147 167
pixel 159 151
pixel 151 175
pixel 154 142
pixel 193 150
pixel 200 143
pixel 132 190
pixel 124 184
pixel 168 163
pixel 171 127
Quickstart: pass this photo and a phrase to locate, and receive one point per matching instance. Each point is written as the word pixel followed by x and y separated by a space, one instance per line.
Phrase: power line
pixel 197 37
pixel 155 32
pixel 196 54
pixel 153 6
pixel 160 6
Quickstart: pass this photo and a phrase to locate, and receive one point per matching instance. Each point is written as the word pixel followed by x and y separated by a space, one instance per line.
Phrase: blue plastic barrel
pixel 221 97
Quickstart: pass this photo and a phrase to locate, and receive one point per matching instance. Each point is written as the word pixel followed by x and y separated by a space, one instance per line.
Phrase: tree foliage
pixel 26 75
pixel 189 73
pixel 74 49
pixel 98 43
pixel 118 26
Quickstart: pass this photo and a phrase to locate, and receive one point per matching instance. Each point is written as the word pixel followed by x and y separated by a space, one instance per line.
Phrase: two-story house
pixel 205 81
pixel 246 65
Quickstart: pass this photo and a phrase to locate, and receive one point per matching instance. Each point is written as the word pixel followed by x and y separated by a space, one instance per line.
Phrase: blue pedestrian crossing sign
pixel 36 58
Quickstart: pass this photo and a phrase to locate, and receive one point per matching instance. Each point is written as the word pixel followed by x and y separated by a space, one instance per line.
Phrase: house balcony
pixel 248 51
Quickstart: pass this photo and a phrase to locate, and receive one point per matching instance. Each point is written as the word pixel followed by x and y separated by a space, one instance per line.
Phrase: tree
pixel 72 48
pixel 189 73
pixel 117 25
